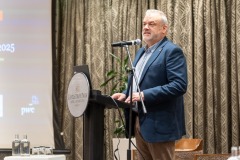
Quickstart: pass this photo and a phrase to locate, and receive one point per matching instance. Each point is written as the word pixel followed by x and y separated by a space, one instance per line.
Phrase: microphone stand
pixel 130 85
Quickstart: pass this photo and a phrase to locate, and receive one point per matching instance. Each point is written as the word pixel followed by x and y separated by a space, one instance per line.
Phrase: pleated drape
pixel 209 33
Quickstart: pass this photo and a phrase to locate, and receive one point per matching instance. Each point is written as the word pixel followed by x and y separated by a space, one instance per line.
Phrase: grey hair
pixel 162 15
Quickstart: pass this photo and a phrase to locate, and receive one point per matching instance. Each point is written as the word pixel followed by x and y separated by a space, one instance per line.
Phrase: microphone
pixel 126 43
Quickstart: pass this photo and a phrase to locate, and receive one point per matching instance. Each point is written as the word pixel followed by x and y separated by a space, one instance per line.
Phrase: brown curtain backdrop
pixel 207 30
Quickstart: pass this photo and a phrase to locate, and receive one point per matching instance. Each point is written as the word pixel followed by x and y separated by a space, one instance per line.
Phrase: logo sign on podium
pixel 78 94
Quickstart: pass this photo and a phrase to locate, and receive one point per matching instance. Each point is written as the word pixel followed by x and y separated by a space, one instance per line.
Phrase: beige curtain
pixel 207 30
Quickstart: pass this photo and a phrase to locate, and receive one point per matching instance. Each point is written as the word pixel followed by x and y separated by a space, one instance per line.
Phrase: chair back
pixel 185 149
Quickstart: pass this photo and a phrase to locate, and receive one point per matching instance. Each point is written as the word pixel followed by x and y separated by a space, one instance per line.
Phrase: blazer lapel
pixel 154 55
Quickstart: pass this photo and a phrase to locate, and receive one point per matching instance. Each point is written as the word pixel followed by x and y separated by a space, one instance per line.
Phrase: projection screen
pixel 26 72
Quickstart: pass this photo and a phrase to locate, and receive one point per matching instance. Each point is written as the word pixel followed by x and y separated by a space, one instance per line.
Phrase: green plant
pixel 118 78
pixel 119 130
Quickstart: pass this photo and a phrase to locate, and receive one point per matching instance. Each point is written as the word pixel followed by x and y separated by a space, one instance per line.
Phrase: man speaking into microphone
pixel 161 72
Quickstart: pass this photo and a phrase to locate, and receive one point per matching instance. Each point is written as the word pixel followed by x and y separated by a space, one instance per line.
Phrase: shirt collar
pixel 152 48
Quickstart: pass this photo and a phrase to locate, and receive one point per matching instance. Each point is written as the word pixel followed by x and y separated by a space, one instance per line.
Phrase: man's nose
pixel 146 26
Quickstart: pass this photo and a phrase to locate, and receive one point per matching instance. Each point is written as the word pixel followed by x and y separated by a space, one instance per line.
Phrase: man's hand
pixel 119 96
pixel 135 97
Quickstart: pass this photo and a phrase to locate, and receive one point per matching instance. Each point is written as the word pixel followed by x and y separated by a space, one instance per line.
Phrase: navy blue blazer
pixel 163 82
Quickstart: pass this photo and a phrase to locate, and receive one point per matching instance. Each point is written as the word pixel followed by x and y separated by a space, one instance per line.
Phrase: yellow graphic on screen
pixel 1 15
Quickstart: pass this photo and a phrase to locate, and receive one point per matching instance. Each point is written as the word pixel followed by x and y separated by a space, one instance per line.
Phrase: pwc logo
pixel 1 15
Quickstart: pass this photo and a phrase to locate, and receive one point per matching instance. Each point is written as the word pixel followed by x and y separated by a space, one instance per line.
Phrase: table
pixel 36 157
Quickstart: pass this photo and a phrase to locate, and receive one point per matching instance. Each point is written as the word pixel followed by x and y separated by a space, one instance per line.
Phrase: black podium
pixel 93 124
pixel 91 104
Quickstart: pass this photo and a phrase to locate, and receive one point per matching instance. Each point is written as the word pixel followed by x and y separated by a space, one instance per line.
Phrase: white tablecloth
pixel 36 157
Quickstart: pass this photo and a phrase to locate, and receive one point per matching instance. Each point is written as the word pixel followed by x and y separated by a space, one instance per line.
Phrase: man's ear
pixel 165 28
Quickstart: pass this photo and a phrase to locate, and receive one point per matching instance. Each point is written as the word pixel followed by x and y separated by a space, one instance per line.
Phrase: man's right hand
pixel 119 96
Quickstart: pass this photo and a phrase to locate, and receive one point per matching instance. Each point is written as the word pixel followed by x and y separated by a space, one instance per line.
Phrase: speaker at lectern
pixel 85 102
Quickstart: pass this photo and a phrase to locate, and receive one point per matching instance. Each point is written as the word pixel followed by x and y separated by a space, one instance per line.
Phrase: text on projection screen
pixel 26 72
